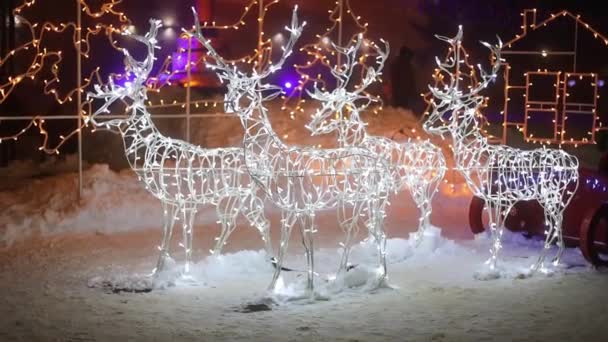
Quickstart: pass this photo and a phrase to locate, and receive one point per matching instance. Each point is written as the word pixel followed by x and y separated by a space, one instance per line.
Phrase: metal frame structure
pixel 84 110
pixel 561 106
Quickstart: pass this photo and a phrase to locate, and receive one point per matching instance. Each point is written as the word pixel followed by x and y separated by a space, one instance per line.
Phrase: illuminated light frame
pixel 418 166
pixel 81 43
pixel 499 174
pixel 181 175
pixel 304 180
pixel 582 108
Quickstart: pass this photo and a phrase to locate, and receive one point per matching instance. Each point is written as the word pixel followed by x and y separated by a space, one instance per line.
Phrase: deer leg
pixel 559 214
pixel 376 228
pixel 256 217
pixel 496 221
pixel 169 216
pixel 287 222
pixel 227 210
pixel 349 222
pixel 553 220
pixel 228 225
pixel 188 214
pixel 423 195
pixel 306 223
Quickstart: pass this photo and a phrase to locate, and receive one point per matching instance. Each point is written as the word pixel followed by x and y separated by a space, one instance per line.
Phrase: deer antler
pixel 227 71
pixel 340 97
pixel 343 73
pixel 136 88
pixel 219 63
pixel 372 74
pixel 451 95
pixel 295 31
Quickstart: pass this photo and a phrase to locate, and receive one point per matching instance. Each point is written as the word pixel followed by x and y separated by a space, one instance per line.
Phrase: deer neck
pixel 352 132
pixel 138 134
pixel 260 141
pixel 469 145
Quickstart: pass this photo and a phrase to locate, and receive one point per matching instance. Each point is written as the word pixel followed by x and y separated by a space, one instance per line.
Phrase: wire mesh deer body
pixel 418 166
pixel 500 175
pixel 181 175
pixel 302 180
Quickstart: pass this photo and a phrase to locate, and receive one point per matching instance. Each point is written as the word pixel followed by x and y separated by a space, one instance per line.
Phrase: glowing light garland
pixel 43 56
pixel 560 106
pixel 321 54
pixel 416 165
pixel 81 37
pixel 181 175
pixel 301 180
pixel 500 175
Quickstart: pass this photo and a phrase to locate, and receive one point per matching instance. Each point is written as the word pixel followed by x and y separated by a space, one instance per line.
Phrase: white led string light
pixel 416 165
pixel 499 174
pixel 303 180
pixel 181 175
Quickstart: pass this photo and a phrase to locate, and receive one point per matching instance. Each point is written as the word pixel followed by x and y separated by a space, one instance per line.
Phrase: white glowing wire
pixel 181 175
pixel 500 175
pixel 416 165
pixel 303 180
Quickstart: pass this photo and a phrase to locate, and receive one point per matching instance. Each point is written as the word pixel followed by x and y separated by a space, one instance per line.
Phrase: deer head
pixel 241 85
pixel 330 116
pixel 133 92
pixel 447 103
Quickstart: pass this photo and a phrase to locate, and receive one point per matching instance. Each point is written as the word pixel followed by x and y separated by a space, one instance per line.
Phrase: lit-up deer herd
pixel 355 178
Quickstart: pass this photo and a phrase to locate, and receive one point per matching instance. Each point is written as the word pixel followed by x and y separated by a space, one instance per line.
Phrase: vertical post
pixel 575 44
pixel 260 34
pixel 340 20
pixel 339 114
pixel 78 92
pixel 188 88
pixel 505 109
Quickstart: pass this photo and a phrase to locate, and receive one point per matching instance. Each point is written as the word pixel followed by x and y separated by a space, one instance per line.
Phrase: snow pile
pixel 111 202
pixel 20 171
pixel 244 266
pixel 212 271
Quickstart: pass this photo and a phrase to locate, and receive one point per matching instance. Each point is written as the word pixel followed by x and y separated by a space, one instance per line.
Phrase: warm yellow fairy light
pixel 560 135
pixel 43 57
pixel 320 50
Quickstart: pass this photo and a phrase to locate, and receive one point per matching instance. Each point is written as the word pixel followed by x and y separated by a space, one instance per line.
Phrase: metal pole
pixel 188 86
pixel 78 93
pixel 575 44
pixel 260 34
pixel 340 20
pixel 505 109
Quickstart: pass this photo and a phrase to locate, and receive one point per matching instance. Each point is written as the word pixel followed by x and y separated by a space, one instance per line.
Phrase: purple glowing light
pixel 600 83
pixel 571 83
pixel 288 85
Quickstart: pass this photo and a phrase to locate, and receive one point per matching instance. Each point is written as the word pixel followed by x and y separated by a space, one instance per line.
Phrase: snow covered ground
pixel 64 266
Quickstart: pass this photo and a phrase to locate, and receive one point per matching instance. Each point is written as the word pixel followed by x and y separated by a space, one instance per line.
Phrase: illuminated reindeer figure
pixel 181 175
pixel 301 180
pixel 416 165
pixel 500 175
